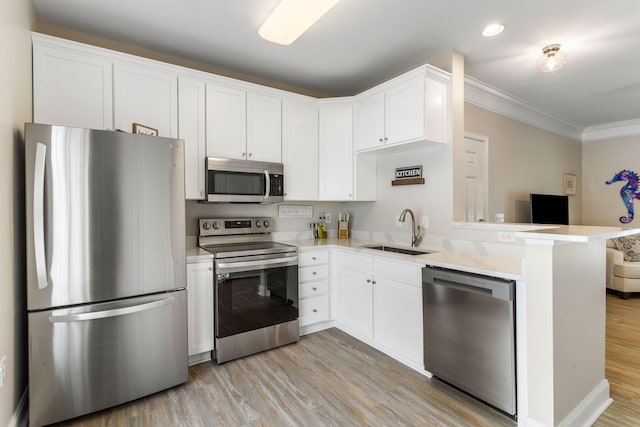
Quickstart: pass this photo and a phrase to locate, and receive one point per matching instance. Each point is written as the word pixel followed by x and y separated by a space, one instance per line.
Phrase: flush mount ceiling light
pixel 551 59
pixel 291 18
pixel 492 30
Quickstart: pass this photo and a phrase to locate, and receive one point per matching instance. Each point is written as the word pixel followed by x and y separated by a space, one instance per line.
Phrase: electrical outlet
pixel 398 223
pixel 3 370
pixel 424 221
pixel 327 217
pixel 506 236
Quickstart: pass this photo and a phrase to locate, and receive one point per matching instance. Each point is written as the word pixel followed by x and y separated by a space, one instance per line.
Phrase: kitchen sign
pixel 408 175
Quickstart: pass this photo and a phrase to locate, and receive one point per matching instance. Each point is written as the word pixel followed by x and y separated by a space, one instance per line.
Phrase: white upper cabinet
pixel 410 108
pixel 145 95
pixel 300 149
pixel 241 125
pixel 192 129
pixel 70 87
pixel 226 122
pixel 264 128
pixel 336 150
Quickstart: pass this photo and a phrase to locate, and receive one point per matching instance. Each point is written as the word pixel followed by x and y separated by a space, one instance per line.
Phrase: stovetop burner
pixel 236 237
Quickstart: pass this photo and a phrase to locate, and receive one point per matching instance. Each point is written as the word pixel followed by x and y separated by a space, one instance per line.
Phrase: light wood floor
pixel 332 379
pixel 622 367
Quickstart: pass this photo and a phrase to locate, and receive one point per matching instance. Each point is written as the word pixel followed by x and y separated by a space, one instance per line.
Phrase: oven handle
pixel 227 267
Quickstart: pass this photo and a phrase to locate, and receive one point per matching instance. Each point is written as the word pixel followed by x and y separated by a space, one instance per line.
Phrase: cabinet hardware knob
pixel 313 258
pixel 373 282
pixel 210 268
pixel 380 139
pixel 244 154
pixel 315 311
pixel 314 273
pixel 368 280
pixel 315 289
pixel 386 139
pixel 250 154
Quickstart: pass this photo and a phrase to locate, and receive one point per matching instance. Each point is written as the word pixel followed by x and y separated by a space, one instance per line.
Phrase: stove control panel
pixel 234 226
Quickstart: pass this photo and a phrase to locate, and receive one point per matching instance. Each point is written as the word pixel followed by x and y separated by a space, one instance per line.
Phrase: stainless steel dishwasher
pixel 469 334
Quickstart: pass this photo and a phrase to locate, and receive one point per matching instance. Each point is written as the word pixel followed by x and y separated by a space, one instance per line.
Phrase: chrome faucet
pixel 416 235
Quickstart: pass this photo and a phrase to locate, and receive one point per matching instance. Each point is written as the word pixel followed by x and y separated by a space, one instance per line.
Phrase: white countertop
pixel 506 268
pixel 197 254
pixel 576 233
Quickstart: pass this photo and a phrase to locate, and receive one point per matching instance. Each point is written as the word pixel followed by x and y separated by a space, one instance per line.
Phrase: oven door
pixel 255 292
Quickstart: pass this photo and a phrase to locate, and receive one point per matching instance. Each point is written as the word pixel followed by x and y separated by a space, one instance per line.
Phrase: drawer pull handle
pixel 314 273
pixel 313 258
pixel 315 311
pixel 315 289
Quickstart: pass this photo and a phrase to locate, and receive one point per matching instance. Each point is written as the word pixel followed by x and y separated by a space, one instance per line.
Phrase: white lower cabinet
pixel 200 310
pixel 314 288
pixel 380 302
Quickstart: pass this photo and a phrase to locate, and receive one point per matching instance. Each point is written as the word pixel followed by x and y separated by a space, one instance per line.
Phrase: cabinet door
pixel 404 111
pixel 72 88
pixel 264 128
pixel 336 151
pixel 226 117
pixel 191 128
pixel 369 119
pixel 300 150
pixel 355 301
pixel 437 110
pixel 397 321
pixel 147 96
pixel 200 307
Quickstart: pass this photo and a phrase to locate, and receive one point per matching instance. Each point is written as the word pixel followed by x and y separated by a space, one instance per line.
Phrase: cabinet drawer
pixel 399 271
pixel 315 272
pixel 354 261
pixel 312 258
pixel 314 310
pixel 313 289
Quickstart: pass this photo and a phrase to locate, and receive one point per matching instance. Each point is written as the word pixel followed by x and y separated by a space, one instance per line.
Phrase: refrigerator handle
pixel 38 215
pixel 110 313
pixel 268 184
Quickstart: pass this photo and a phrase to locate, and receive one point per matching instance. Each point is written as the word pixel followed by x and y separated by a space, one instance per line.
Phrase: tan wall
pixel 16 21
pixel 601 160
pixel 524 159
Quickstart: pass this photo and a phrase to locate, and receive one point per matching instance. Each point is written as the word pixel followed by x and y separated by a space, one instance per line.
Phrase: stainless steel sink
pixel 404 251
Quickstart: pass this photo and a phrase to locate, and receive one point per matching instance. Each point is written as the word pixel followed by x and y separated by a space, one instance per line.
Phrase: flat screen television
pixel 549 209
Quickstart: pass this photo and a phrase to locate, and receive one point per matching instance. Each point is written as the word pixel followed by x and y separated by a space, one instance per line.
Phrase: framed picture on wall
pixel 144 130
pixel 569 184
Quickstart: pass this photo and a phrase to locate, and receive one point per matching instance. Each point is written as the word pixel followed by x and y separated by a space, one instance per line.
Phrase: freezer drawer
pixel 84 359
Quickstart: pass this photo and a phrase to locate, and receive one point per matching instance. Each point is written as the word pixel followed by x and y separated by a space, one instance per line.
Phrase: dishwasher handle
pixel 483 285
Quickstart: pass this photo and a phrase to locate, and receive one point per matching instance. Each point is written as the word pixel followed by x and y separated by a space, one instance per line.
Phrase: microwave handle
pixel 267 178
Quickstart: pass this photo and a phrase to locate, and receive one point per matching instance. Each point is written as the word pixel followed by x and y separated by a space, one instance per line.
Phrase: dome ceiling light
pixel 551 59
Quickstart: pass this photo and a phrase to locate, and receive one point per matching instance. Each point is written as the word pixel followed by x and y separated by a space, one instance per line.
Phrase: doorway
pixel 476 177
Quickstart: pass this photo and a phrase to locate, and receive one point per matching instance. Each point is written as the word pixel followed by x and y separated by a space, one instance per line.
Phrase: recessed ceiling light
pixel 492 30
pixel 291 18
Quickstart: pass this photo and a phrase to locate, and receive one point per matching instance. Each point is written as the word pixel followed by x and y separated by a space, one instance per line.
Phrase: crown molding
pixel 492 99
pixel 611 130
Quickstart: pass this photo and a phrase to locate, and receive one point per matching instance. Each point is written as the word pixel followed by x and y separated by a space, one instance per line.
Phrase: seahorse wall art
pixel 628 192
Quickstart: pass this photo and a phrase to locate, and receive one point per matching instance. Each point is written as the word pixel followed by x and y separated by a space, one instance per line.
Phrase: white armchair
pixel 622 276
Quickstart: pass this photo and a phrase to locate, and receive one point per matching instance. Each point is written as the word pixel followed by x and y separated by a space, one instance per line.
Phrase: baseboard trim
pixel 590 409
pixel 20 416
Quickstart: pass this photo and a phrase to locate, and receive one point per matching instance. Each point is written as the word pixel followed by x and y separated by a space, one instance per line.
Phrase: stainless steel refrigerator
pixel 106 274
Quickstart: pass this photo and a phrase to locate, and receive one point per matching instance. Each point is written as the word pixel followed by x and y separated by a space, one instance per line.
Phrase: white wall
pixel 16 21
pixel 524 159
pixel 601 160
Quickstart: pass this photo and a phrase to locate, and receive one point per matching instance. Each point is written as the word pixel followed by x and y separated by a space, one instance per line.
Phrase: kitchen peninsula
pixel 560 314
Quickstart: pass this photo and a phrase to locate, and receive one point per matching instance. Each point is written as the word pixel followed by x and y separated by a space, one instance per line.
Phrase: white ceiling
pixel 360 43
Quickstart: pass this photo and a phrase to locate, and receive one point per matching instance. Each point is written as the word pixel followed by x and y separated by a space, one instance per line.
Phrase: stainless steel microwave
pixel 244 181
